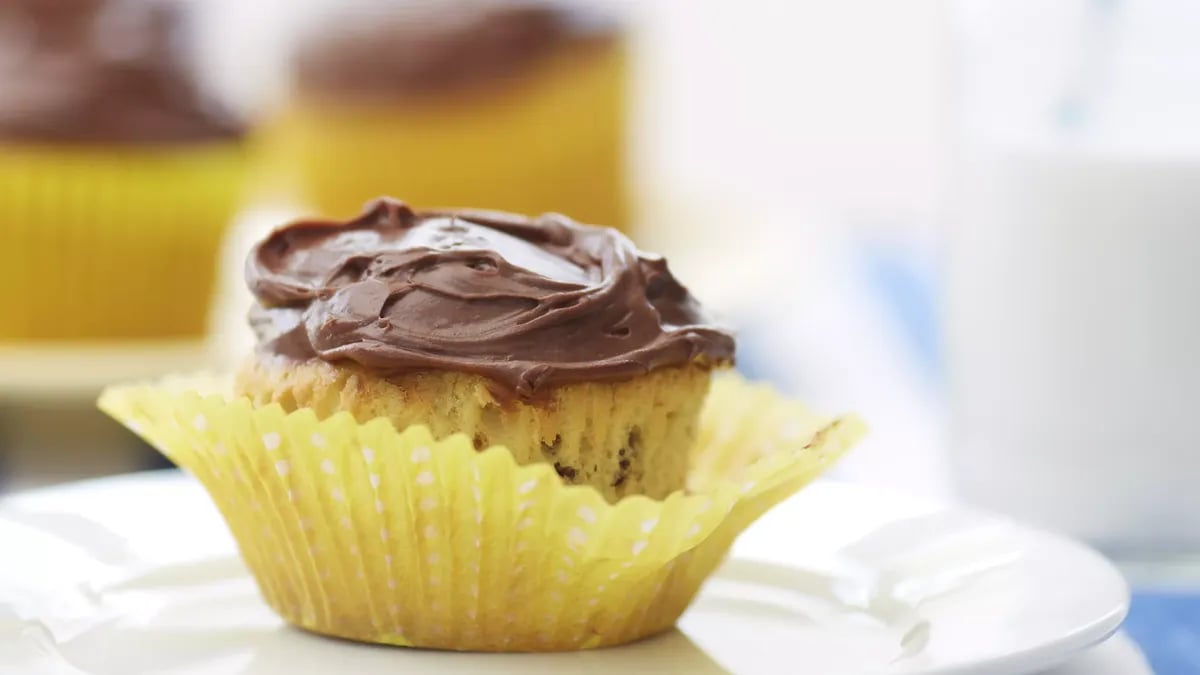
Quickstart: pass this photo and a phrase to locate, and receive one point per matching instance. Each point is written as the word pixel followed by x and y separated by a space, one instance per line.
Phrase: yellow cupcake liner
pixel 109 242
pixel 372 534
pixel 552 141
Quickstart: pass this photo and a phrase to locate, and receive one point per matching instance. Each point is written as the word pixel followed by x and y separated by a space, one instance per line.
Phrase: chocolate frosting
pixel 98 71
pixel 530 303
pixel 434 46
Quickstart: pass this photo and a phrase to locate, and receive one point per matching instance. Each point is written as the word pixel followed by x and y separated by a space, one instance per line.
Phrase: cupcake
pixel 116 173
pixel 474 430
pixel 560 341
pixel 517 106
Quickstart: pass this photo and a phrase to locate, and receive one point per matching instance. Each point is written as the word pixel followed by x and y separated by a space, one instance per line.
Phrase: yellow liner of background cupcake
pixel 361 531
pixel 113 242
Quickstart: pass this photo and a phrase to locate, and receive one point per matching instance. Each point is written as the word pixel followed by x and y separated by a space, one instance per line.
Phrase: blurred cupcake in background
pixel 517 106
pixel 117 175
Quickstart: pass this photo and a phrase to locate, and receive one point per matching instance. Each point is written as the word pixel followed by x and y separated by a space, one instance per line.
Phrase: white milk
pixel 1073 333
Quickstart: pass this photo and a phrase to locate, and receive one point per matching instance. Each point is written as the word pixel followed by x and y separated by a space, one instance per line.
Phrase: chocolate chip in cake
pixel 480 441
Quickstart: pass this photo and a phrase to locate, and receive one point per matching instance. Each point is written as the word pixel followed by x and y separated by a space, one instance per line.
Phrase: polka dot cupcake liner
pixel 364 532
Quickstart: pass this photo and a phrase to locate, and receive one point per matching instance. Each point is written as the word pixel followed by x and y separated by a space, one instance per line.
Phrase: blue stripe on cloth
pixel 1166 626
pixel 908 288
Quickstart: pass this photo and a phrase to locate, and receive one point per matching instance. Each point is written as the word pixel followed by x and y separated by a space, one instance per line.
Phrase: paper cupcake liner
pixel 363 532
pixel 554 140
pixel 112 242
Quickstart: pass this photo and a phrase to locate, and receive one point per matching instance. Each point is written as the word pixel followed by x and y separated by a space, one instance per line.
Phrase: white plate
pixel 138 575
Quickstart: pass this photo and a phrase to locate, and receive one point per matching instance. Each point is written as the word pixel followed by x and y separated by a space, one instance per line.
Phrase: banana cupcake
pixel 559 341
pixel 475 430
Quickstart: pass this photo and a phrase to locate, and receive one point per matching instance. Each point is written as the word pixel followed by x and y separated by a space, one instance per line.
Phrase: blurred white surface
pixel 820 111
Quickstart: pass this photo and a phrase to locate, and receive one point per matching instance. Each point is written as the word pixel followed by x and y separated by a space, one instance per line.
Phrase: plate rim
pixel 1046 656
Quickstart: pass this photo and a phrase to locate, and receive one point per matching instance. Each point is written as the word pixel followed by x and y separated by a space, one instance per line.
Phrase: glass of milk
pixel 1073 242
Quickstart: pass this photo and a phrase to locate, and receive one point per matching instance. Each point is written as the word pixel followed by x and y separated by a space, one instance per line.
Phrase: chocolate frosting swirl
pixel 530 303
pixel 101 71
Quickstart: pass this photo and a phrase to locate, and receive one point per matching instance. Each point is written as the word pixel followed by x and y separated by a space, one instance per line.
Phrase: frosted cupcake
pixel 480 431
pixel 117 175
pixel 560 341
pixel 517 106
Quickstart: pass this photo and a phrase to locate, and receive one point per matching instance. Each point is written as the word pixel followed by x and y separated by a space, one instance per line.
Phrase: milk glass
pixel 1073 248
